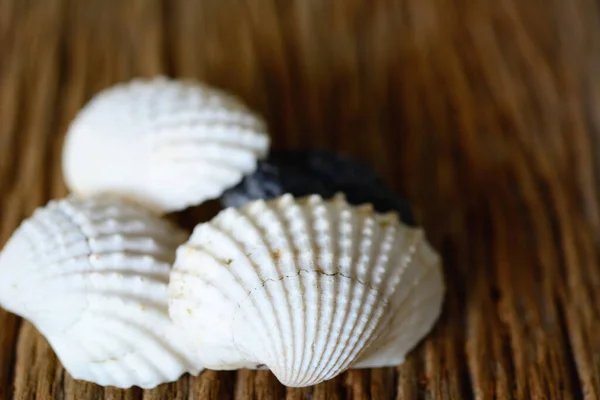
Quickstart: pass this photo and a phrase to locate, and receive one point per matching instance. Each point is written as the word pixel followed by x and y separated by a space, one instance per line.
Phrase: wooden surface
pixel 484 112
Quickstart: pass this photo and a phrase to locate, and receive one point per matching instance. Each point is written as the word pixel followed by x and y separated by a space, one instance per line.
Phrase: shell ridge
pixel 156 278
pixel 186 137
pixel 397 337
pixel 407 262
pixel 397 272
pixel 264 222
pixel 133 256
pixel 290 250
pixel 260 216
pixel 102 363
pixel 368 335
pixel 134 122
pixel 97 359
pixel 395 275
pixel 93 257
pixel 423 277
pixel 313 271
pixel 319 273
pixel 305 246
pixel 408 248
pixel 84 216
pixel 337 285
pixel 340 295
pixel 198 273
pixel 233 241
pixel 185 121
pixel 324 225
pixel 250 224
pixel 389 335
pixel 351 279
pixel 98 212
pixel 90 373
pixel 108 263
pixel 146 335
pixel 363 238
pixel 135 225
pixel 52 221
pixel 73 276
pixel 140 235
pixel 37 226
pixel 99 375
pixel 149 303
pixel 181 273
pixel 366 310
pixel 90 351
pixel 140 262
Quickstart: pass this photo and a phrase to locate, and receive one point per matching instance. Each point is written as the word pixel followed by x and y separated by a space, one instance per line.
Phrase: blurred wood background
pixel 484 112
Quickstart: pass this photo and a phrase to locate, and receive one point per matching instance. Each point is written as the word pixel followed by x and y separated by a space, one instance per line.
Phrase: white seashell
pixel 306 287
pixel 92 276
pixel 165 143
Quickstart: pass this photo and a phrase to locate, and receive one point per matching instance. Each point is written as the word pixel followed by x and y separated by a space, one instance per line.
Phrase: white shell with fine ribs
pixel 305 287
pixel 165 143
pixel 92 276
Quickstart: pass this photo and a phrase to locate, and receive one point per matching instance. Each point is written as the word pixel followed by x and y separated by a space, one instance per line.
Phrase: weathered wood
pixel 484 113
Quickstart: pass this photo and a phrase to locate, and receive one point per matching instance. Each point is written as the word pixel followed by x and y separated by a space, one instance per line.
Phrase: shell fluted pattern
pixel 165 143
pixel 305 287
pixel 92 274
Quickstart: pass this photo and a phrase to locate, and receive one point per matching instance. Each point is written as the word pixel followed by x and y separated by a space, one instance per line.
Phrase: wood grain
pixel 484 113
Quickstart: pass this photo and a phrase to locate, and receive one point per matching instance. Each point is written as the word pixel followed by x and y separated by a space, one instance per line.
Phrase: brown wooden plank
pixel 484 113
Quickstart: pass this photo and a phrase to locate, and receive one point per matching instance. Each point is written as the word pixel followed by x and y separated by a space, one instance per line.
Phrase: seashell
pixel 92 276
pixel 302 172
pixel 165 143
pixel 306 287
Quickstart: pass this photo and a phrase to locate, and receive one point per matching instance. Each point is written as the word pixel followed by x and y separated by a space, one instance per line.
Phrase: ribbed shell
pixel 92 276
pixel 166 143
pixel 306 287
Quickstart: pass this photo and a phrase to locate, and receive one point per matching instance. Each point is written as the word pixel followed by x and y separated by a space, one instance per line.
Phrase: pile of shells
pixel 305 286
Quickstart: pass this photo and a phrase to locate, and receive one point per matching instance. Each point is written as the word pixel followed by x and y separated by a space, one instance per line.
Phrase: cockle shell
pixel 92 276
pixel 306 287
pixel 165 143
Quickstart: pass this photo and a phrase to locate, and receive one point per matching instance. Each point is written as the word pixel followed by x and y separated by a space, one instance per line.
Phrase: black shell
pixel 305 172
